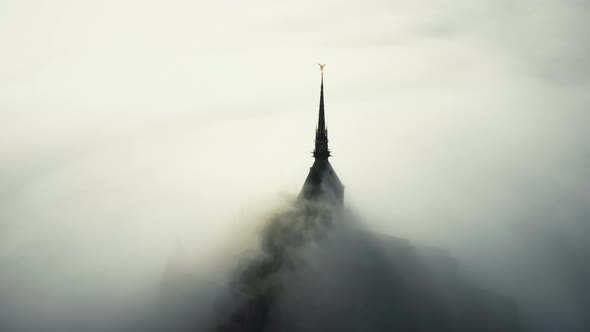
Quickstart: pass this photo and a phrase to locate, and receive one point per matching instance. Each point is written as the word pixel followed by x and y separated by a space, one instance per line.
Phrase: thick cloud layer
pixel 127 127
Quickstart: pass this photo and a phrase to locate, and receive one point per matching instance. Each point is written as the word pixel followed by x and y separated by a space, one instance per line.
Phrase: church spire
pixel 322 181
pixel 321 135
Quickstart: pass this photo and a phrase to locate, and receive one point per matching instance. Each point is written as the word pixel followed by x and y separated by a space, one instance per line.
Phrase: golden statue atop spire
pixel 322 68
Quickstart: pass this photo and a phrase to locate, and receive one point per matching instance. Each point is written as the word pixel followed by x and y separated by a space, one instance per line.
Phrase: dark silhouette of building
pixel 356 280
pixel 322 181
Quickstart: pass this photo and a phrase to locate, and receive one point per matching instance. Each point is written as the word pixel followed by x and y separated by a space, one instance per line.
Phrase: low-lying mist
pixel 297 266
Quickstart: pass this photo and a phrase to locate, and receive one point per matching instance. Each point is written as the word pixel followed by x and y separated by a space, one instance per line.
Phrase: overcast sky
pixel 127 125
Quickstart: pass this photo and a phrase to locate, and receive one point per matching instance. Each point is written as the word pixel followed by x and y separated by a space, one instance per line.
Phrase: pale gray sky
pixel 462 124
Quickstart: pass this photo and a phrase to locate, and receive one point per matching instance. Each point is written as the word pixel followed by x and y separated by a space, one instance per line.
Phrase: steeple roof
pixel 321 136
pixel 322 181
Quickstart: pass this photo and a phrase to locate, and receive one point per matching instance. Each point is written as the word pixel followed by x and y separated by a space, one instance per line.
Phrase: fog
pixel 129 129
